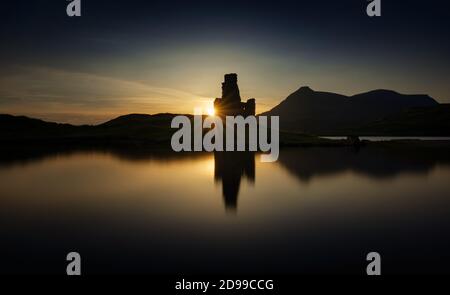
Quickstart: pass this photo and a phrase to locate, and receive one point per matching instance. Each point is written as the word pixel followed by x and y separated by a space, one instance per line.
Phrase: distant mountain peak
pixel 384 91
pixel 379 92
pixel 320 112
pixel 305 89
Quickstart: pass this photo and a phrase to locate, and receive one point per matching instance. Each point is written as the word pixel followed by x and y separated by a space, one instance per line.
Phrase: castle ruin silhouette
pixel 230 103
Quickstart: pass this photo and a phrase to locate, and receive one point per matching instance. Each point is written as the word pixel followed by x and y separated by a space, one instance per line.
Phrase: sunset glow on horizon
pixel 121 59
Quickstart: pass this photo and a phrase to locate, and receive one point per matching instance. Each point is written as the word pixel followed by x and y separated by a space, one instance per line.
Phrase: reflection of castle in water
pixel 230 168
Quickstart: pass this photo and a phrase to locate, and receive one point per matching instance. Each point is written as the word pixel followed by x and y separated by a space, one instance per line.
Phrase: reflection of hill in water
pixel 375 162
pixel 229 167
pixel 304 163
pixel 25 155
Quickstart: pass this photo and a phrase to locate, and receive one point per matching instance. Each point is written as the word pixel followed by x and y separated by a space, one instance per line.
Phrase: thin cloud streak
pixel 60 91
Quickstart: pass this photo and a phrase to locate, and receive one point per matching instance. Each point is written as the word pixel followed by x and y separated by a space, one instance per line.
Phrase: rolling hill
pixel 327 113
pixel 131 128
pixel 138 130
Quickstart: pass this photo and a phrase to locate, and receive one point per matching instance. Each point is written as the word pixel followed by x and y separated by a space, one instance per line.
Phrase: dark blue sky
pixel 153 56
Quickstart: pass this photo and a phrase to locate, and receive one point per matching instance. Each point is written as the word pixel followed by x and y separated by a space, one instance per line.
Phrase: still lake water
pixel 316 210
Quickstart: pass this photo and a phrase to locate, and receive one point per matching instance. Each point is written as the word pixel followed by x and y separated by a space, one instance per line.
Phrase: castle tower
pixel 230 103
pixel 230 89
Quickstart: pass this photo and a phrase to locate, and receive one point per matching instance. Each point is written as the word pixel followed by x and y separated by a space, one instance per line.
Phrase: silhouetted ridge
pixel 133 119
pixel 13 127
pixel 329 113
pixel 124 130
pixel 26 122
pixel 133 129
pixel 304 90
pixel 379 92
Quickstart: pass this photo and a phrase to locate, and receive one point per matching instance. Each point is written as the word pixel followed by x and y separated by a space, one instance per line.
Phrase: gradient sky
pixel 170 56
